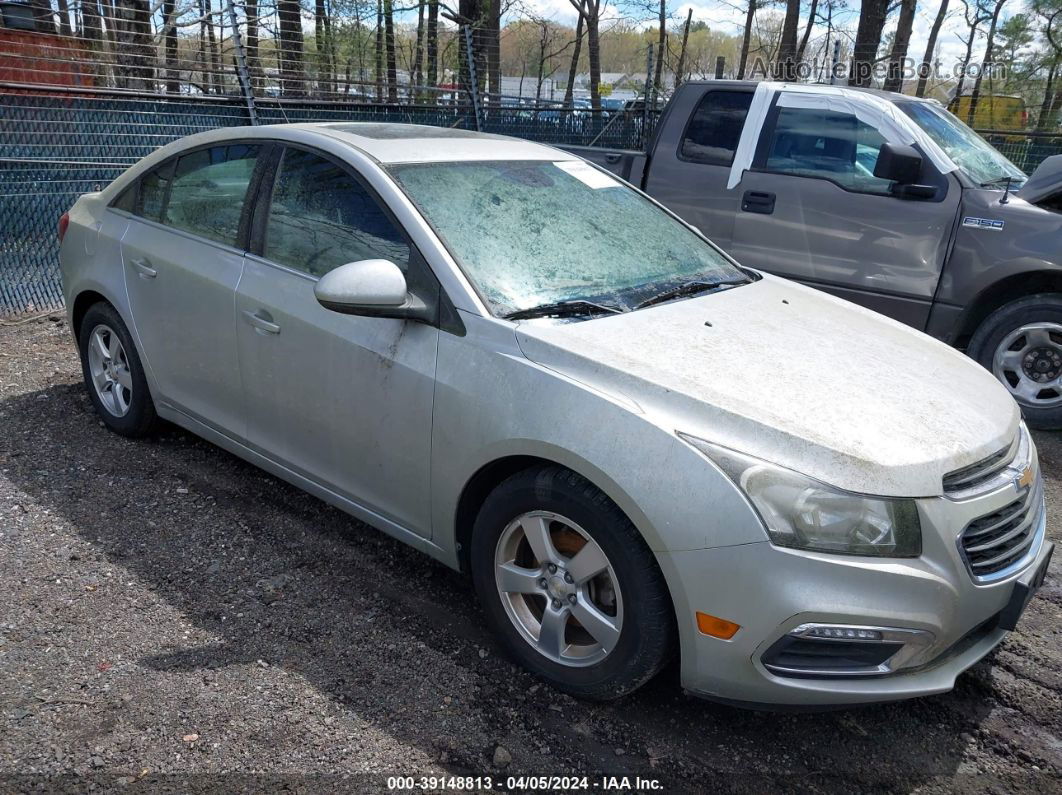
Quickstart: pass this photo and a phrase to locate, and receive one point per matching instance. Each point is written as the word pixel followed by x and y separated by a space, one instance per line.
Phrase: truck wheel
pixel 569 585
pixel 1021 344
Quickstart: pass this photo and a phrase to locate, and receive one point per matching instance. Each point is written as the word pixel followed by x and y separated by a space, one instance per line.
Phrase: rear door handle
pixel 143 267
pixel 261 320
pixel 755 201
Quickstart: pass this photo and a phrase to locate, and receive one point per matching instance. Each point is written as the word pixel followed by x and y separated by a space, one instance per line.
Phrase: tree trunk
pixel 324 65
pixel 680 69
pixel 64 18
pixel 745 39
pixel 389 51
pixel 807 32
pixel 785 65
pixel 894 76
pixel 379 72
pixel 593 48
pixel 215 50
pixel 169 39
pixel 92 27
pixel 418 56
pixel 43 16
pixel 292 78
pixel 493 47
pixel 569 91
pixel 433 47
pixel 868 37
pixel 661 43
pixel 986 64
pixel 931 47
pixel 254 64
pixel 134 54
pixel 1045 121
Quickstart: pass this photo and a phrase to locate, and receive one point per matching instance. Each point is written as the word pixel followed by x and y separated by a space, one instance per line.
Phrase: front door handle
pixel 261 320
pixel 143 267
pixel 755 201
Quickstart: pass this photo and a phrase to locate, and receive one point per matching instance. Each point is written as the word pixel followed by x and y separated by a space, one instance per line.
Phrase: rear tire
pixel 1021 345
pixel 594 635
pixel 114 376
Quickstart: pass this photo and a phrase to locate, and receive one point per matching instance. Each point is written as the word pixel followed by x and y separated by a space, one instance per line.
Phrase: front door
pixel 812 210
pixel 341 399
pixel 182 259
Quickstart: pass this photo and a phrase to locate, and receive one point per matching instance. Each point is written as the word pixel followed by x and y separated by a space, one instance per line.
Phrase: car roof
pixel 892 96
pixel 421 143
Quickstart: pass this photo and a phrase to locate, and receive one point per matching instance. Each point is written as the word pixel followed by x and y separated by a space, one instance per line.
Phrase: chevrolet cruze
pixel 508 359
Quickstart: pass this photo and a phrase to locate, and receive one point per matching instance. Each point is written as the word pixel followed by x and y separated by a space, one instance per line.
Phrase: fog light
pixel 837 633
pixel 716 627
pixel 839 650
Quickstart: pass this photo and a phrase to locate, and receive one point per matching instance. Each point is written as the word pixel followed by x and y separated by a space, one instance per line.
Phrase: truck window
pixel 714 129
pixel 810 142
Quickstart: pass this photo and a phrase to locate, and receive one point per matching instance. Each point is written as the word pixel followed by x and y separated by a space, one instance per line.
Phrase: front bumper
pixel 770 591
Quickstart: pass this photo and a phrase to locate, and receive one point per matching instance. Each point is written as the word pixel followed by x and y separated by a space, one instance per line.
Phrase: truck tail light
pixel 64 222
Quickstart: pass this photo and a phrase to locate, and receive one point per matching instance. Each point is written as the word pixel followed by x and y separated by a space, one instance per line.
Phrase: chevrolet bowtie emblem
pixel 1024 478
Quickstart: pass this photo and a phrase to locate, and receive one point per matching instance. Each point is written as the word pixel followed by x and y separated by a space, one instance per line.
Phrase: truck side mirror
pixel 902 166
pixel 898 163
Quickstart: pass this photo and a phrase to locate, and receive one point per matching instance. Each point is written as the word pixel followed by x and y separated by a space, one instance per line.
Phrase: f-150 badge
pixel 983 223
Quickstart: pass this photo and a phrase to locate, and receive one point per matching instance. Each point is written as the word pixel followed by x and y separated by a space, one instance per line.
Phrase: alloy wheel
pixel 109 369
pixel 558 588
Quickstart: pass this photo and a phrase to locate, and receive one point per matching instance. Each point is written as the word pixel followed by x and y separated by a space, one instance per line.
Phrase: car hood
pixel 793 376
pixel 1045 181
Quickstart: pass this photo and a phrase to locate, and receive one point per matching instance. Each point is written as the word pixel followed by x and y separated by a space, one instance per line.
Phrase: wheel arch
pixel 1002 292
pixel 84 300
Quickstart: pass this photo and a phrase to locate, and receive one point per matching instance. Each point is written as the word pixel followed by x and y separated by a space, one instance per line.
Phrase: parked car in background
pixel 518 364
pixel 883 199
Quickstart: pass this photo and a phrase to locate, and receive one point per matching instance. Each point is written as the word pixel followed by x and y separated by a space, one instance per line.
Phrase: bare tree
pixel 389 50
pixel 812 11
pixel 169 46
pixel 433 44
pixel 975 14
pixel 931 47
pixel 785 65
pixel 292 77
pixel 987 63
pixel 569 91
pixel 680 69
pixel 661 48
pixel 872 15
pixel 900 43
pixel 1050 12
pixel 590 11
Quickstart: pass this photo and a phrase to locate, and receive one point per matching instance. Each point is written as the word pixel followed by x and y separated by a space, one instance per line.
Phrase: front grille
pixel 999 540
pixel 969 478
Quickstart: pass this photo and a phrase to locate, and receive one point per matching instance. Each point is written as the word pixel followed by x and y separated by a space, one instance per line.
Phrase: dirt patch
pixel 169 613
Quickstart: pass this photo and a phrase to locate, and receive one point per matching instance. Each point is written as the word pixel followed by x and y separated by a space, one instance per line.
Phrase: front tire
pixel 1021 345
pixel 569 585
pixel 113 373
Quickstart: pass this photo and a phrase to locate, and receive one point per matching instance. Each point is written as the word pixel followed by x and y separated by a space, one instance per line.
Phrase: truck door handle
pixel 143 267
pixel 261 320
pixel 755 201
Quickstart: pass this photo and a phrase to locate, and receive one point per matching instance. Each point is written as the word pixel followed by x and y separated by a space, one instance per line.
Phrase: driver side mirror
pixel 371 287
pixel 902 165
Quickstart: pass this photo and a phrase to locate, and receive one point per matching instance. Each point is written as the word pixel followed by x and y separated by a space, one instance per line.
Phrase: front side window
pixel 810 142
pixel 715 128
pixel 321 217
pixel 528 233
pixel 208 191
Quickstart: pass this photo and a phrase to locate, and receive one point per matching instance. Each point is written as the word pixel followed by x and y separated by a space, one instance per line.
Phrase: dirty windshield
pixel 534 233
pixel 969 151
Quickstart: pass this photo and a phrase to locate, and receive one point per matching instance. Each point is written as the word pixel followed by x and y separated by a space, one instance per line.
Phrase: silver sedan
pixel 508 359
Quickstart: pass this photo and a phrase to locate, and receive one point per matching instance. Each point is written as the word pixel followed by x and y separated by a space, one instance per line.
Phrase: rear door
pixel 691 163
pixel 341 399
pixel 183 255
pixel 812 210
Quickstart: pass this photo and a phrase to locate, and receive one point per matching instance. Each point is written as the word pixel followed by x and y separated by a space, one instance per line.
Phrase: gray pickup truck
pixel 883 199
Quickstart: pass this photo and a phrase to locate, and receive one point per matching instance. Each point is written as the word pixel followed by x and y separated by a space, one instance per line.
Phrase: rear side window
pixel 208 191
pixel 126 199
pixel 321 217
pixel 151 198
pixel 715 128
pixel 811 142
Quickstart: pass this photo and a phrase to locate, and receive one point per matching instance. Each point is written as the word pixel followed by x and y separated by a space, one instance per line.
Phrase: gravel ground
pixel 173 617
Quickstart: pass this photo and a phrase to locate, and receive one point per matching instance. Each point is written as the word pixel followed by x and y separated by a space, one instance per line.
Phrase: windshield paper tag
pixel 587 174
pixel 982 223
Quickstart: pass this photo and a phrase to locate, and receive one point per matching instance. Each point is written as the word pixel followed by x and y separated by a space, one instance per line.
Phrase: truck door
pixel 691 162
pixel 812 210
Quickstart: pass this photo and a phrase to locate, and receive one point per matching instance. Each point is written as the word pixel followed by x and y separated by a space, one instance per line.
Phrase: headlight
pixel 804 513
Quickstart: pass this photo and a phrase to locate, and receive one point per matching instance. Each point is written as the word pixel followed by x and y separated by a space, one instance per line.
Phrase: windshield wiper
pixel 563 309
pixel 689 288
pixel 999 181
